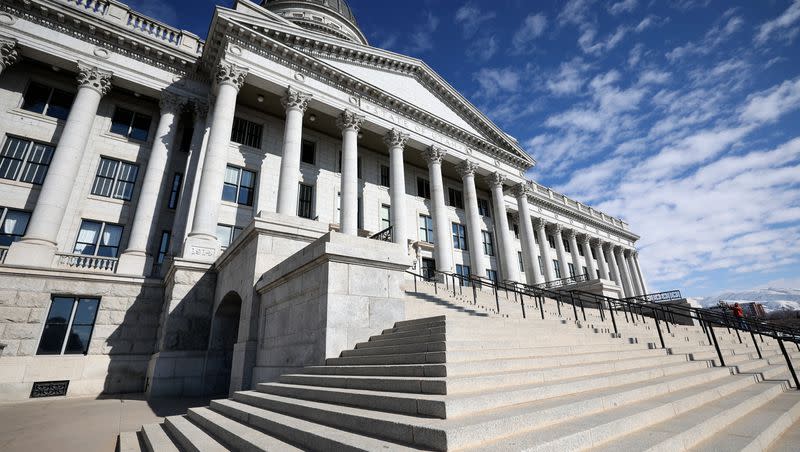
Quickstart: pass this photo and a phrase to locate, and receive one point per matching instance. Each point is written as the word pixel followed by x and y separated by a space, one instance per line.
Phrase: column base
pixel 201 248
pixel 136 263
pixel 31 254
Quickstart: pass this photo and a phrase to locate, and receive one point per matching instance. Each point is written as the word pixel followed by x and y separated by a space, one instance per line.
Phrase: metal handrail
pixel 384 235
pixel 668 295
pixel 563 281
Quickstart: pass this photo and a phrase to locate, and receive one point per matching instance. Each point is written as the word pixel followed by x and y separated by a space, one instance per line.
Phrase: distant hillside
pixel 773 299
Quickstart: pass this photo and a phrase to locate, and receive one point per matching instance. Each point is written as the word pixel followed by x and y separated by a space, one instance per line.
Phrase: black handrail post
pixel 541 306
pixel 522 303
pixel 738 335
pixel 446 282
pixel 415 283
pixel 583 310
pixel 602 313
pixel 708 333
pixel 756 344
pixel 474 294
pixel 574 309
pixel 558 305
pixel 716 346
pixel 789 363
pixel 625 305
pixel 497 301
pixel 454 285
pixel 435 285
pixel 658 327
pixel 613 319
pixel 667 322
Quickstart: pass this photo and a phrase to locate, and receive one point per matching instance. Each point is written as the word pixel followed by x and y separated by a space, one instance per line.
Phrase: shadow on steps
pixel 440 302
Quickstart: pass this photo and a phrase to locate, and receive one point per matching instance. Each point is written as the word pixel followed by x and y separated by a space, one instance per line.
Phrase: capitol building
pixel 154 187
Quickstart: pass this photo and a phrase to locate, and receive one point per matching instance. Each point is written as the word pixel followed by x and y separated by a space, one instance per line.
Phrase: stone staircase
pixel 463 377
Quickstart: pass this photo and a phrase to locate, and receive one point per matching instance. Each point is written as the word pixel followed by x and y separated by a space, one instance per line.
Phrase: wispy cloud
pixel 623 6
pixel 421 40
pixel 729 24
pixel 470 17
pixel 786 25
pixel 532 27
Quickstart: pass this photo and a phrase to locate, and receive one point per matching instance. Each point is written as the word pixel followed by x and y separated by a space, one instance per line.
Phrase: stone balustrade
pixel 98 7
pixel 544 192
pixel 88 263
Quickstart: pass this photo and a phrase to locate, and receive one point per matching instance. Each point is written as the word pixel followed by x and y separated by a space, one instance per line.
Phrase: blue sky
pixel 680 116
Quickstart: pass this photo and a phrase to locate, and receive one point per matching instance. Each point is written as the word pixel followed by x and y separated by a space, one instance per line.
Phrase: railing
pixel 93 263
pixel 657 297
pixel 154 28
pixel 98 7
pixel 634 310
pixel 3 252
pixel 384 236
pixel 563 282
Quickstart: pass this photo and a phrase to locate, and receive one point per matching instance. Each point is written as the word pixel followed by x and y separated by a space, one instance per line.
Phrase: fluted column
pixel 544 249
pixel 396 141
pixel 629 267
pixel 608 249
pixel 191 179
pixel 597 245
pixel 587 254
pixel 507 256
pixel 576 256
pixel 533 273
pixel 135 260
pixel 556 230
pixel 349 123
pixel 474 230
pixel 619 259
pixel 295 104
pixel 443 248
pixel 9 53
pixel 642 282
pixel 202 243
pixel 38 246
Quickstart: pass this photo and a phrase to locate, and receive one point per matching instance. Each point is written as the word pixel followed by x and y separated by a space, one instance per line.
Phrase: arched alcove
pixel 224 333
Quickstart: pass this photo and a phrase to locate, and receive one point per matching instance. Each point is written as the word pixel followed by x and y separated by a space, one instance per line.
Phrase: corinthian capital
pixel 199 107
pixel 9 53
pixel 94 78
pixel 467 168
pixel 539 223
pixel 349 120
pixel 230 74
pixel 294 99
pixel 395 138
pixel 556 229
pixel 170 102
pixel 522 190
pixel 496 180
pixel 434 154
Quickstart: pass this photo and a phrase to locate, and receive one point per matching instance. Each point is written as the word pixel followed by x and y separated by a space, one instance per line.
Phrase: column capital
pixel 171 102
pixel 556 228
pixel 523 189
pixel 627 252
pixel 92 77
pixel 349 120
pixel 496 180
pixel 9 52
pixel 434 154
pixel 607 246
pixel 294 99
pixel 539 223
pixel 635 254
pixel 594 241
pixel 570 234
pixel 467 168
pixel 583 238
pixel 395 138
pixel 230 74
pixel 199 108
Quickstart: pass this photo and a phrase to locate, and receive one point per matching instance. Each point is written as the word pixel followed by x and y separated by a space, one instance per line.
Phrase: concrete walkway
pixel 81 424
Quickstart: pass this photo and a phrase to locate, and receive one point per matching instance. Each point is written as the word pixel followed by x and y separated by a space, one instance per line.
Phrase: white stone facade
pixel 371 115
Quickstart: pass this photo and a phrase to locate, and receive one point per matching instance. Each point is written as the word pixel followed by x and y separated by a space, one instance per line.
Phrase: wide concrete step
pixel 155 439
pixel 190 437
pixel 406 358
pixel 413 385
pixel 788 441
pixel 129 442
pixel 389 370
pixel 235 434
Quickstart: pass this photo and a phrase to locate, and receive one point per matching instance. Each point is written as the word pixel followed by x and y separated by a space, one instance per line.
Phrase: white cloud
pixel 788 19
pixel 654 77
pixel 532 27
pixel 569 79
pixel 493 81
pixel 575 12
pixel 623 6
pixel 714 37
pixel 483 49
pixel 635 55
pixel 421 40
pixel 471 18
pixel 770 104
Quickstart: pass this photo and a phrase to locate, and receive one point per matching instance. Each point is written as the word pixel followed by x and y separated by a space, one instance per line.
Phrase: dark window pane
pixel 36 98
pixel 60 104
pixel 229 193
pixel 124 191
pixel 60 310
pixel 308 153
pixel 385 175
pixel 248 179
pixel 78 340
pixel 107 251
pixel 140 127
pixel 121 121
pixel 86 311
pixel 52 339
pixel 245 196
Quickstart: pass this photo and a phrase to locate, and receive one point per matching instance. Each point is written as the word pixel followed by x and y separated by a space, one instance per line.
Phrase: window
pixel 541 266
pixel 385 180
pixel 456 198
pixel 463 271
pixel 557 268
pixel 163 247
pixel 521 261
pixel 246 132
pixel 98 239
pixel 492 275
pixel 25 160
pixel 593 255
pixel 428 268
pixel 483 207
pixel 115 179
pixel 130 124
pixel 305 207
pixel 239 186
pixel 423 188
pixel 515 228
pixel 459 237
pixel 69 325
pixel 488 243
pixel 566 246
pixel 426 228
pixel 386 216
pixel 308 152
pixel 227 234
pixel 13 224
pixel 47 101
pixel 551 241
pixel 175 190
pixel 598 273
pixel 580 251
pixel 585 271
pixel 186 139
pixel 571 269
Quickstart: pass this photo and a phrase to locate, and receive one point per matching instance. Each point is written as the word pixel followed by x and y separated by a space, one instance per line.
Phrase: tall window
pixel 557 267
pixel 541 266
pixel 456 198
pixel 305 205
pixel 13 224
pixel 566 245
pixel 308 152
pixel 488 243
pixel 386 216
pixel 239 186
pixel 551 241
pixel 492 275
pixel 115 179
pixel 163 246
pixel 130 124
pixel 463 271
pixel 69 325
pixel 593 255
pixel 175 190
pixel 459 237
pixel 585 271
pixel 598 274
pixel 47 101
pixel 98 239
pixel 428 268
pixel 423 188
pixel 385 180
pixel 227 234
pixel 25 160
pixel 580 250
pixel 426 228
pixel 246 132
pixel 521 261
pixel 571 270
pixel 483 207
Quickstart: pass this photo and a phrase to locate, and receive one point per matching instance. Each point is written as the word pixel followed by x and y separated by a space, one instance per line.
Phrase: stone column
pixel 608 249
pixel 544 249
pixel 9 53
pixel 560 252
pixel 443 248
pixel 202 243
pixel 622 271
pixel 576 256
pixel 474 229
pixel 192 169
pixel 349 123
pixel 135 260
pixel 295 104
pixel 396 141
pixel 38 247
pixel 597 244
pixel 639 273
pixel 507 255
pixel 587 254
pixel 532 272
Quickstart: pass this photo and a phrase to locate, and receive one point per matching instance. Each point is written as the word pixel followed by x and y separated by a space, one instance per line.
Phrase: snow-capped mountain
pixel 773 299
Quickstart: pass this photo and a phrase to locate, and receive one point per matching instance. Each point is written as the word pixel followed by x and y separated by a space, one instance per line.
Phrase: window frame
pixel 459 232
pixel 571 269
pixel 521 261
pixel 307 204
pixel 48 103
pixel 250 139
pixel 163 246
pixel 116 182
pixel 385 179
pixel 424 186
pixel 4 211
pixel 465 272
pixel 25 162
pixel 427 233
pixel 175 190
pixel 304 152
pixel 233 234
pixel 385 222
pixel 455 198
pixel 70 324
pixel 484 208
pixel 488 245
pixel 567 248
pixel 134 115
pixel 97 244
pixel 557 268
pixel 491 274
pixel 238 186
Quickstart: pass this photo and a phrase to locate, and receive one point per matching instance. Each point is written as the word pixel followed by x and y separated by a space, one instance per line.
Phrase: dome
pixel 331 17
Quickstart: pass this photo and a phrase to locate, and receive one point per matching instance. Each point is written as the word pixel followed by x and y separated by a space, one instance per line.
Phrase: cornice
pixel 566 212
